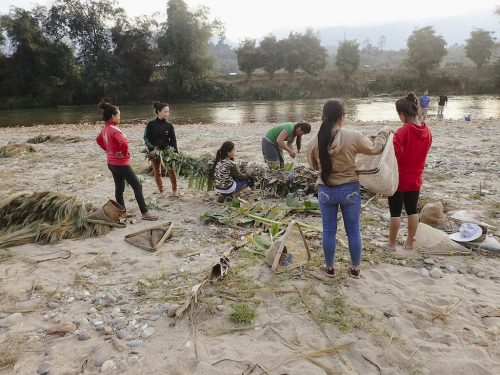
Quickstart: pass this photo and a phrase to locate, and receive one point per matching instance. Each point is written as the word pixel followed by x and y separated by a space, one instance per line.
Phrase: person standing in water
pixel 112 140
pixel 158 135
pixel 442 101
pixel 424 105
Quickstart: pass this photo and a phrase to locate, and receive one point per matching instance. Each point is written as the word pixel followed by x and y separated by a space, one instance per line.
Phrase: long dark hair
pixel 333 110
pixel 108 110
pixel 222 153
pixel 408 106
pixel 158 106
pixel 305 127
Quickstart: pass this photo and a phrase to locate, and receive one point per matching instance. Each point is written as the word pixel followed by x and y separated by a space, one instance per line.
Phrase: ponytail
pixel 222 153
pixel 333 110
pixel 306 129
pixel 158 106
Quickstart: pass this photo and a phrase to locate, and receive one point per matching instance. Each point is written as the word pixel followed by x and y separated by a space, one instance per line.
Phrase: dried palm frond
pixel 45 217
pixel 55 138
pixel 15 149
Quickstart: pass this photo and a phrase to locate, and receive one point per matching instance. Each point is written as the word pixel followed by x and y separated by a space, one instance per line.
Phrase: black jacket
pixel 161 134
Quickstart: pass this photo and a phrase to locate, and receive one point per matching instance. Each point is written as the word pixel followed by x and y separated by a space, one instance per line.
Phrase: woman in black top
pixel 158 135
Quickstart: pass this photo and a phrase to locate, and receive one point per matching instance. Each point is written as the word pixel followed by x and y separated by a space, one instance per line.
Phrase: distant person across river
pixel 442 101
pixel 281 137
pixel 424 106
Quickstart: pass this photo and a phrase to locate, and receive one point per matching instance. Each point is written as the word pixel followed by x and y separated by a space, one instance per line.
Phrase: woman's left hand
pixel 119 154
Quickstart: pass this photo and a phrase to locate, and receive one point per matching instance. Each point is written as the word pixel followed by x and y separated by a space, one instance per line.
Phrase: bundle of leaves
pixel 55 138
pixel 45 217
pixel 275 182
pixel 198 171
pixel 15 149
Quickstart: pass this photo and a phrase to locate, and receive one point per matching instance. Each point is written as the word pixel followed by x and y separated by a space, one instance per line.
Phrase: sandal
pixel 355 273
pixel 328 272
pixel 149 217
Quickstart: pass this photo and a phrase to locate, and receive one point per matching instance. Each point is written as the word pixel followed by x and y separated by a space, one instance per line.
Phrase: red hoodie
pixel 411 145
pixel 112 140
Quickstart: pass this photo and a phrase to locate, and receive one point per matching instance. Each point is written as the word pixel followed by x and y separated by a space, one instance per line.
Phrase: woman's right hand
pixel 387 129
pixel 292 153
pixel 152 153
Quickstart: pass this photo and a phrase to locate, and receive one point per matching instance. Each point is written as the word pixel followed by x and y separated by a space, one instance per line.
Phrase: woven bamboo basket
pixel 113 210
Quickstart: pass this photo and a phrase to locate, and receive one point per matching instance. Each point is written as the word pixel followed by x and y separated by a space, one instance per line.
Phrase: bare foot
pixel 388 247
pixel 162 194
pixel 406 246
pixel 176 194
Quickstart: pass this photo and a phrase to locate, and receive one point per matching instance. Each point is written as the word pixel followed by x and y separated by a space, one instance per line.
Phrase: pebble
pixel 44 368
pixel 172 309
pixel 402 262
pixel 429 261
pixel 62 328
pixel 451 269
pixel 135 343
pixel 11 320
pixel 108 367
pixel 436 273
pixel 154 317
pixel 118 344
pixel 147 333
pixel 122 334
pixel 97 323
pixel 52 305
pixel 162 308
pixel 481 274
pixel 107 330
pixel 71 299
pixel 494 331
pixel 424 272
pixel 83 336
pixel 220 307
pixel 92 310
pixel 101 355
pixel 133 360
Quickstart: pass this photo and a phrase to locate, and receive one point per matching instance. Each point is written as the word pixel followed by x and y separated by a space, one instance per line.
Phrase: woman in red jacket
pixel 112 140
pixel 411 144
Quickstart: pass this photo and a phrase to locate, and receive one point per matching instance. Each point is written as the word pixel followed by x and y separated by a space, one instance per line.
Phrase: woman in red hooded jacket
pixel 412 142
pixel 112 140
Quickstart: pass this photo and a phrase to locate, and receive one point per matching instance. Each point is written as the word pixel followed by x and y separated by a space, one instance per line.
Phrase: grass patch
pixel 5 255
pixel 477 195
pixel 241 313
pixel 11 350
pixel 334 312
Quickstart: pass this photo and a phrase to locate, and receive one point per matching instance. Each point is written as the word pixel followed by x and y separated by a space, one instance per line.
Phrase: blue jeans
pixel 348 197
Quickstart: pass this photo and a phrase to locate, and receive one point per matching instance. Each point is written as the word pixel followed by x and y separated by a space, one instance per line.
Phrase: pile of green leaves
pixel 274 182
pixel 261 213
pixel 45 217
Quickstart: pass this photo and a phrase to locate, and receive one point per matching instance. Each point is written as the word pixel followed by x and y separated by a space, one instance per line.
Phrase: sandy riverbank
pixel 385 322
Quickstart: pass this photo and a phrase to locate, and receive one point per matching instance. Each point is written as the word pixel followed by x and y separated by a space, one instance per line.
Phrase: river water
pixel 276 111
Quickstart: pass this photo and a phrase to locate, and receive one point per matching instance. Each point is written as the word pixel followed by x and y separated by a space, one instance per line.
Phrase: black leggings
pixel 410 200
pixel 122 173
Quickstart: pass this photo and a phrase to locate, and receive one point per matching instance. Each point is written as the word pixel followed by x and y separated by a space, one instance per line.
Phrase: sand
pixel 396 319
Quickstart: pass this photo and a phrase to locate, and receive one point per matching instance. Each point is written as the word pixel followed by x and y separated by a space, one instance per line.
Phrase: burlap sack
pixel 433 214
pixel 379 173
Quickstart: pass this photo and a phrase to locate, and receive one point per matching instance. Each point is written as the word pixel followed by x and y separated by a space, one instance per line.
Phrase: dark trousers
pixel 122 173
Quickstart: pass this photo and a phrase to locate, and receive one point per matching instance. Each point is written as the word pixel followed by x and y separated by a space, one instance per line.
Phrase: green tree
pixel 479 47
pixel 86 22
pixel 271 55
pixel 425 50
pixel 184 46
pixel 134 55
pixel 348 58
pixel 292 54
pixel 313 56
pixel 248 57
pixel 37 64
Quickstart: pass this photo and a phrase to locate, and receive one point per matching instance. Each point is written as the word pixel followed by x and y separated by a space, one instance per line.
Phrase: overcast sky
pixel 255 18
